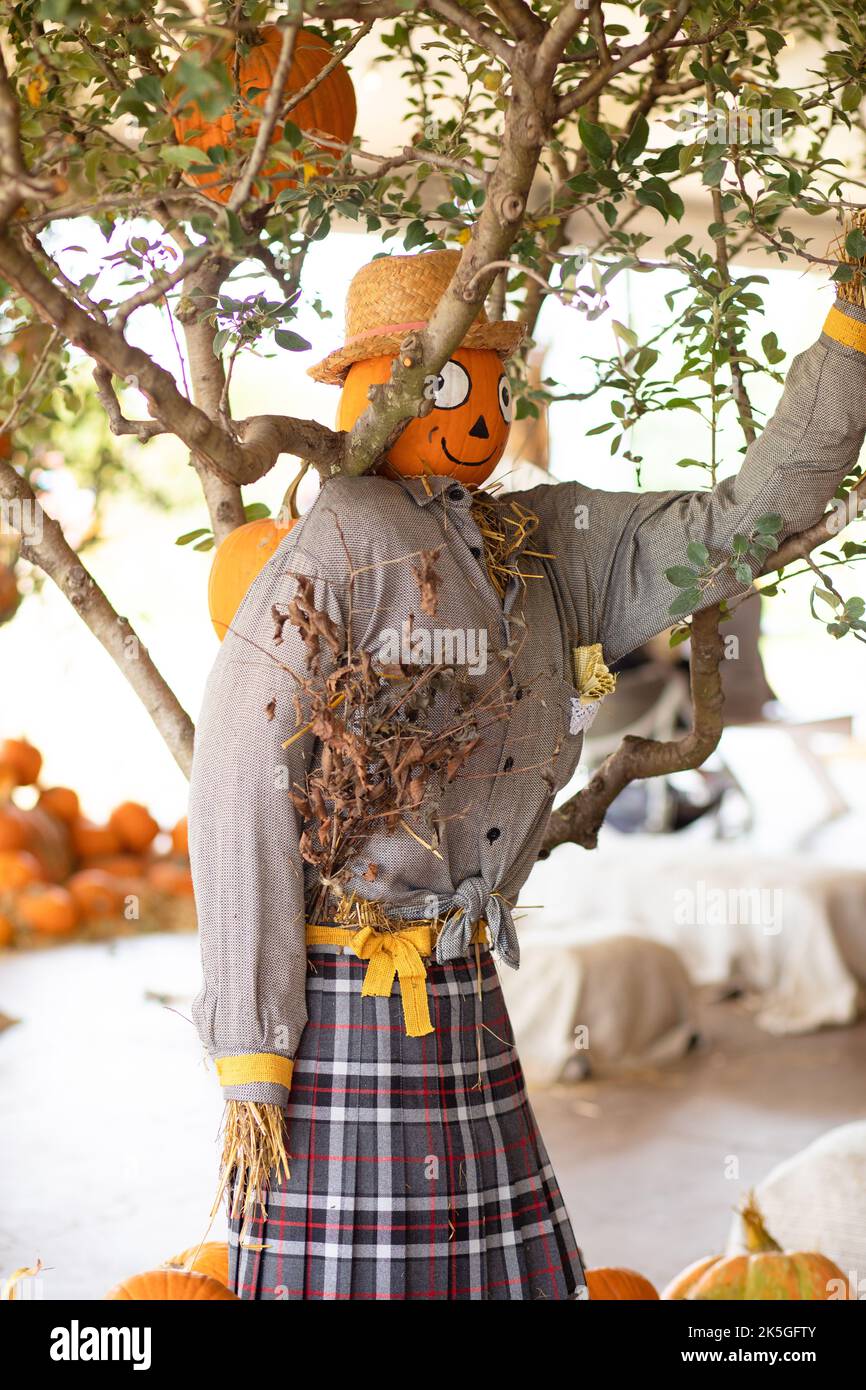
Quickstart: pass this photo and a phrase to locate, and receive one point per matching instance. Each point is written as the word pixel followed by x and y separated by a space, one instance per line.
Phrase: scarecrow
pixel 398 699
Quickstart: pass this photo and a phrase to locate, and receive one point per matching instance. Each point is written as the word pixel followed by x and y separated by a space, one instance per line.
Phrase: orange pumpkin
pixel 9 595
pixel 173 1285
pixel 238 560
pixel 465 434
pixel 172 879
pixel 180 838
pixel 212 1259
pixel 7 932
pixel 90 841
pixel 13 829
pixel 18 868
pixel 134 826
pixel 5 446
pixel 47 908
pixel 764 1272
pixel 62 803
pixel 20 760
pixel 95 893
pixel 118 866
pixel 607 1284
pixel 47 839
pixel 329 109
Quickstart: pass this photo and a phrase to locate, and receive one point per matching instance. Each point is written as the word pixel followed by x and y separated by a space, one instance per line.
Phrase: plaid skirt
pixel 417 1170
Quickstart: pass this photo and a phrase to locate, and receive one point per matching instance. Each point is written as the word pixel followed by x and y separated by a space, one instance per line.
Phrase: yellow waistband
pixel 393 952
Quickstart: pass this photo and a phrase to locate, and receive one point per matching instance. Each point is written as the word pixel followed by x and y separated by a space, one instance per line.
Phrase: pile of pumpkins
pixel 760 1271
pixel 62 875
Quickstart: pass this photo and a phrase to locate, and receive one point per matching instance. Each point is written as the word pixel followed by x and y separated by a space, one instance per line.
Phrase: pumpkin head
pixel 763 1272
pixel 329 109
pixel 463 436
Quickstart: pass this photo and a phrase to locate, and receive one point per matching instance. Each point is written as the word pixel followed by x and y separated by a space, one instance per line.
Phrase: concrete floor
pixel 653 1166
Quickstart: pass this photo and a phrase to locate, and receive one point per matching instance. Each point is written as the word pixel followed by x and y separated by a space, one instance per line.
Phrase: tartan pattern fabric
pixel 417 1171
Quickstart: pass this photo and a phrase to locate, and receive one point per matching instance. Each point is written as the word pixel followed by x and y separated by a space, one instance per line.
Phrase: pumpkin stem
pixel 757 1236
pixel 289 503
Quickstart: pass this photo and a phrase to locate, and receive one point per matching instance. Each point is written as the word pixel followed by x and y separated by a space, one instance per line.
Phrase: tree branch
pixel 597 80
pixel 582 816
pixel 230 460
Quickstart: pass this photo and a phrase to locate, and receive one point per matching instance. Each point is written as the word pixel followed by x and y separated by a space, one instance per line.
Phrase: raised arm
pixel 792 470
pixel 247 869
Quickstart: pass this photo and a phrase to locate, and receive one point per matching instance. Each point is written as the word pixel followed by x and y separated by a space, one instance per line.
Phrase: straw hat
pixel 396 295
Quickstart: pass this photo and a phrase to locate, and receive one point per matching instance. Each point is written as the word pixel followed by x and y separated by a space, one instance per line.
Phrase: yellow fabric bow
pixel 399 953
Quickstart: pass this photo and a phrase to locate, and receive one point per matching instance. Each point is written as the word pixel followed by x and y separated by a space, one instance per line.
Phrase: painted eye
pixel 506 404
pixel 452 386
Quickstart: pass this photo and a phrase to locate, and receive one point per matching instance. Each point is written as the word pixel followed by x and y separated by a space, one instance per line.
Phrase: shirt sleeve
pixel 629 540
pixel 244 841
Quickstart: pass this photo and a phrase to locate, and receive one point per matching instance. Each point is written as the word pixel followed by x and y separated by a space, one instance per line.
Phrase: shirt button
pixel 493 833
pixel 509 763
pixel 456 494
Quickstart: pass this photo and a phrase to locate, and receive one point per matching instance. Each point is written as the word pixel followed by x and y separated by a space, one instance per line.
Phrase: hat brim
pixel 503 336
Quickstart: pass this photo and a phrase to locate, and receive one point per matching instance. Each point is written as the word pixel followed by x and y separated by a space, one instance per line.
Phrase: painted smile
pixel 466 463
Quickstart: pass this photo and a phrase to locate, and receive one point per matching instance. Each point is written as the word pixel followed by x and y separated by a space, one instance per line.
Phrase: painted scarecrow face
pixel 465 434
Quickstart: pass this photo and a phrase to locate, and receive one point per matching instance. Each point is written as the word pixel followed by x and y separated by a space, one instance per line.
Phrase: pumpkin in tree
pixel 241 557
pixel 465 429
pixel 763 1271
pixel 328 110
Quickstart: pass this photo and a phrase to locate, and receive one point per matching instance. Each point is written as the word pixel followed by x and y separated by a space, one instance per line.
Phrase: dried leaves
pixel 429 580
pixel 391 741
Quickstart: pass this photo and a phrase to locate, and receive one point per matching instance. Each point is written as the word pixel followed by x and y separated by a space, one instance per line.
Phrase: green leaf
pixel 684 603
pixel 769 524
pixel 184 157
pixel 415 234
pixel 855 607
pixel 681 576
pixel 207 544
pixel 743 573
pixel 678 636
pixel 595 140
pixel 256 511
pixel 852 95
pixel 292 342
pixel 220 340
pixel 698 553
pixel 740 545
pixel 842 274
pixel 635 144
pixel 192 536
pixel 855 244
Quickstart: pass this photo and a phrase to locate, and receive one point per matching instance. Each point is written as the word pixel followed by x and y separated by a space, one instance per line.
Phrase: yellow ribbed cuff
pixel 255 1066
pixel 845 330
